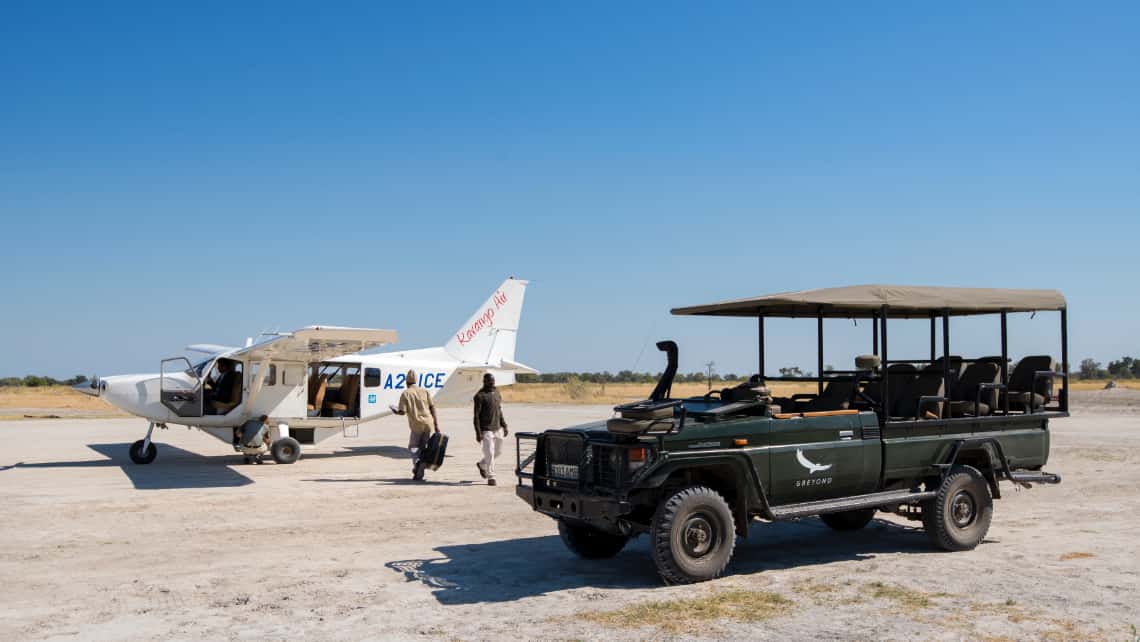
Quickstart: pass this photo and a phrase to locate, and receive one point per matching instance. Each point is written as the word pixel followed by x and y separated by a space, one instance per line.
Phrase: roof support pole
pixel 875 333
pixel 932 351
pixel 886 370
pixel 760 342
pixel 819 351
pixel 1004 362
pixel 1065 359
pixel 945 361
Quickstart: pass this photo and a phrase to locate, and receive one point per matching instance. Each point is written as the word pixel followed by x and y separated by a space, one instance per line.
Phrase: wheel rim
pixel 287 451
pixel 699 535
pixel 963 509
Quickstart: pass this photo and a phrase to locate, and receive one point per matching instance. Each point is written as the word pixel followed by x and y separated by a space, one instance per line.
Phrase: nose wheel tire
pixel 692 536
pixel 286 450
pixel 139 456
pixel 958 518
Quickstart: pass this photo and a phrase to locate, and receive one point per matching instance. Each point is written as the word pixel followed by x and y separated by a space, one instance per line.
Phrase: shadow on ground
pixel 507 570
pixel 174 468
pixel 391 452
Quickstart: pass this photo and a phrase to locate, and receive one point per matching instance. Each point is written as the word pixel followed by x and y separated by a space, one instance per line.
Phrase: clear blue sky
pixel 173 173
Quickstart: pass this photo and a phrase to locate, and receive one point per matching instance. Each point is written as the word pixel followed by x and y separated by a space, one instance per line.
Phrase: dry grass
pixel 692 615
pixel 615 393
pixel 1077 555
pixel 903 596
pixel 1098 384
pixel 54 397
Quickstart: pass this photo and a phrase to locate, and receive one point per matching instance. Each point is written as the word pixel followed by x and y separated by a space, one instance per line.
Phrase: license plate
pixel 564 471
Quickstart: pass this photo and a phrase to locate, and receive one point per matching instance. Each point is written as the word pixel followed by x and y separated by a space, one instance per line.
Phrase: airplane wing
pixel 317 343
pixel 209 348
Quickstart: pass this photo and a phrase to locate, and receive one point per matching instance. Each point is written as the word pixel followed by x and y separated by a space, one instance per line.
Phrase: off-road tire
pixel 692 536
pixel 286 450
pixel 958 518
pixel 138 456
pixel 849 520
pixel 590 543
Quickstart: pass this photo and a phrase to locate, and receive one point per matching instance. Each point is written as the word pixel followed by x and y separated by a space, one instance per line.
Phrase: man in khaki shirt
pixel 415 402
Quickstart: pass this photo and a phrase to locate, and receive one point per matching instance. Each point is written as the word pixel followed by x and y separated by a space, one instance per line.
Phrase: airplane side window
pixel 371 377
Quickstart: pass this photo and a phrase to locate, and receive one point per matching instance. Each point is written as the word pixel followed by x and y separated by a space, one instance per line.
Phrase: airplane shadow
pixel 508 570
pixel 389 481
pixel 391 452
pixel 174 468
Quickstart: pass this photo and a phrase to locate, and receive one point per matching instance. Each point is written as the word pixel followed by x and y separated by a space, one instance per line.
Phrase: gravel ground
pixel 342 546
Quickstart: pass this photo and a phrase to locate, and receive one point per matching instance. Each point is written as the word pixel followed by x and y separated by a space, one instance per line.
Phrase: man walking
pixel 415 402
pixel 488 422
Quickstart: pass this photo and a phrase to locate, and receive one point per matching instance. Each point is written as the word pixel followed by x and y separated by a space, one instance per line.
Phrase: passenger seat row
pixel 909 386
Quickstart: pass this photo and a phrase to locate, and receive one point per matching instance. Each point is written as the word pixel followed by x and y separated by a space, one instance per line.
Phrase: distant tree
pixel 1090 369
pixel 1122 369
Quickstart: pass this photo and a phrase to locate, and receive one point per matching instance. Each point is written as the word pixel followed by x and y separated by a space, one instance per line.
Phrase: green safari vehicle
pixel 928 437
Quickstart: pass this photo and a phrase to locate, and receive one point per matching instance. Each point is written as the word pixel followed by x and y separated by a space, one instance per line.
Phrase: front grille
pixel 563 456
pixel 608 464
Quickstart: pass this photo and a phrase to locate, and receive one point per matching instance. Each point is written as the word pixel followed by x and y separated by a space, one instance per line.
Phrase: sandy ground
pixel 341 546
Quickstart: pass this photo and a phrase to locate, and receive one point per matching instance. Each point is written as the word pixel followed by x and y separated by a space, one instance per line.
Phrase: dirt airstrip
pixel 342 546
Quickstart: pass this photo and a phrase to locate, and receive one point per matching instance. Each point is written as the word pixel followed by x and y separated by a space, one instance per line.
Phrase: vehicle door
pixel 817 456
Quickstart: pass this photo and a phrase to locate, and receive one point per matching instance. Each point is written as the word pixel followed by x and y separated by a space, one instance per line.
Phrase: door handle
pixel 846 435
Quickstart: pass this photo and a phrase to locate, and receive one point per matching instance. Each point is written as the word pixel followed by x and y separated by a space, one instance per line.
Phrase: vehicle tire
pixel 140 457
pixel 590 543
pixel 693 536
pixel 286 450
pixel 958 518
pixel 848 520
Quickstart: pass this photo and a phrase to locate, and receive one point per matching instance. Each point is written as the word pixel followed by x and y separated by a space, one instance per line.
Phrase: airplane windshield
pixel 199 369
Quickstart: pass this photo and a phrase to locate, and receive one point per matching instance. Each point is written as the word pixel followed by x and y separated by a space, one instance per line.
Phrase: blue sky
pixel 174 174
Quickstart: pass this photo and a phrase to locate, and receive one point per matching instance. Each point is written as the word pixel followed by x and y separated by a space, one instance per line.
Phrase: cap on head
pixel 410 380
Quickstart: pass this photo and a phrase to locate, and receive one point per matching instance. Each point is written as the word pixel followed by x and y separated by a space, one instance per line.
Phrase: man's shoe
pixel 491 482
pixel 482 472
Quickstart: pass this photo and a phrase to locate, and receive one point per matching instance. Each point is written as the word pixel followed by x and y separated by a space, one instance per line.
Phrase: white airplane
pixel 316 381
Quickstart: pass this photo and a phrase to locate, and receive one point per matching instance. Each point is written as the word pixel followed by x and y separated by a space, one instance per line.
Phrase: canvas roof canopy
pixel 864 301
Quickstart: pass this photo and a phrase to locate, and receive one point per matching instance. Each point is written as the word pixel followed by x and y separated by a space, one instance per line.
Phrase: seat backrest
pixel 314 381
pixel 902 377
pixel 1021 380
pixel 836 396
pixel 928 384
pixel 976 374
pixel 955 366
pixel 350 390
pixel 322 388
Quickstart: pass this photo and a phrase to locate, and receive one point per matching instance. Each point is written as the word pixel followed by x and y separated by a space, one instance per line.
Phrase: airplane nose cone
pixel 93 387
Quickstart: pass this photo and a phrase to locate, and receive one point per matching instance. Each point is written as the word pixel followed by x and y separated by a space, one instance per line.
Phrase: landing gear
pixel 286 450
pixel 143 451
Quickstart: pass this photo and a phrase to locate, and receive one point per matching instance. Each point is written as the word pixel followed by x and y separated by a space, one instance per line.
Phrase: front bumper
pixel 603 512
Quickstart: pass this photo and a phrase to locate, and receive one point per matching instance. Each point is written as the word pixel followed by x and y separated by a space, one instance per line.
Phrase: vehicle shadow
pixel 508 570
pixel 174 468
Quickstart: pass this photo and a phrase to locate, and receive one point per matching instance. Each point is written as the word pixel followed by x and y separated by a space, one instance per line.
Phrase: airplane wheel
pixel 140 457
pixel 286 450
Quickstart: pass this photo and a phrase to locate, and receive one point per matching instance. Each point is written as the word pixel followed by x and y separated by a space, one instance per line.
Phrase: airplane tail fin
pixel 488 337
